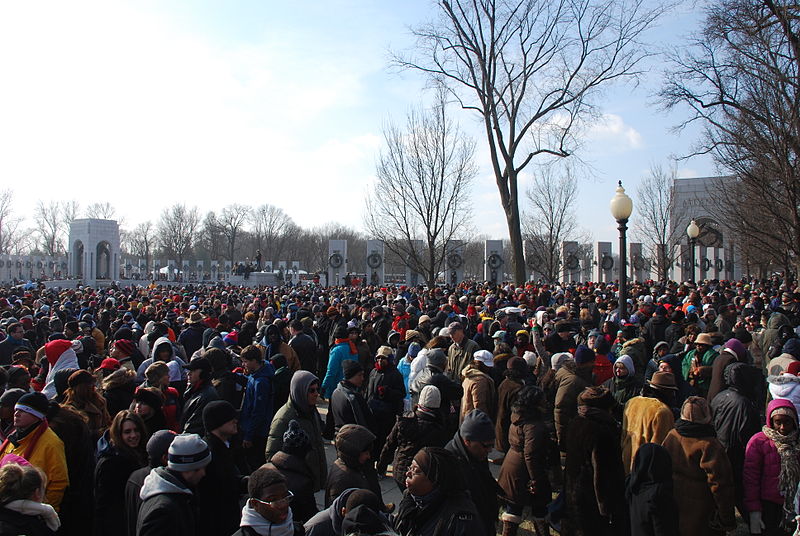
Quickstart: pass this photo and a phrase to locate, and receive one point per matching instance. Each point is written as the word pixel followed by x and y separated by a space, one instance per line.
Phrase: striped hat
pixel 187 453
pixel 34 404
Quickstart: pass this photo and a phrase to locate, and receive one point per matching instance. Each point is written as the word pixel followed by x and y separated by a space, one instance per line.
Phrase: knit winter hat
pixel 351 368
pixel 295 439
pixel 187 453
pixel 736 346
pixel 80 377
pixel 558 360
pixel 413 349
pixel 33 403
pixel 150 396
pixel 217 413
pixel 10 398
pixel 437 358
pixel 583 354
pixel 627 362
pixel 477 426
pixel 159 442
pixel 695 409
pixel 125 346
pixel 596 397
pixel 430 397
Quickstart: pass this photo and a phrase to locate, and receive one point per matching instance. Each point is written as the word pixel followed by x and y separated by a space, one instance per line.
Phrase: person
pixel 291 462
pixel 648 418
pixel 229 385
pixel 353 467
pixel 523 476
pixel 435 502
pixel 117 389
pixel 21 508
pixel 479 386
pixel 328 522
pixel 650 495
pixel 449 390
pixel 594 478
pixel 787 385
pixel 147 404
pixel 33 440
pixel 624 385
pixel 281 380
pixel 273 345
pixel 121 451
pixel 347 401
pixel 514 379
pixel 698 364
pixel 421 428
pixel 365 520
pixel 772 470
pixel 303 396
pixel 257 407
pixel 304 346
pixel 191 336
pixel 157 447
pixel 14 340
pixel 164 352
pixel 460 352
pixel 199 393
pixel 571 379
pixel 342 349
pixel 60 355
pixel 83 397
pixel 702 474
pixel 168 500
pixel 157 376
pixel 267 510
pixel 385 394
pixel 471 445
pixel 218 493
pixel 733 351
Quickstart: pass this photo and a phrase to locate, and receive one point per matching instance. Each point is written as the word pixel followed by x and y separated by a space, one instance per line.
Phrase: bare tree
pixel 231 225
pixel 739 78
pixel 657 214
pixel 177 230
pixel 422 188
pixel 9 222
pixel 141 242
pixel 551 219
pixel 270 227
pixel 49 226
pixel 529 69
pixel 210 238
pixel 103 211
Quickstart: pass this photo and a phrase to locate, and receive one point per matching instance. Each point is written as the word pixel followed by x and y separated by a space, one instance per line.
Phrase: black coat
pixel 649 492
pixel 230 387
pixel 481 485
pixel 306 350
pixel 300 482
pixel 390 403
pixel 349 407
pixel 132 500
pixel 447 515
pixel 16 524
pixel 219 491
pixel 110 479
pixel 194 403
pixel 165 512
pixel 248 531
pixel 410 433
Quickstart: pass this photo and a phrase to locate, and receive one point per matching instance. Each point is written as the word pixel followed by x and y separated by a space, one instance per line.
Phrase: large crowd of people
pixel 206 410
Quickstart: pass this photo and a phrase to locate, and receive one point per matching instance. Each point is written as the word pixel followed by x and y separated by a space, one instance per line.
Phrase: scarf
pixel 789 450
pixel 694 429
pixel 353 349
pixel 254 520
pixel 33 508
pixel 16 437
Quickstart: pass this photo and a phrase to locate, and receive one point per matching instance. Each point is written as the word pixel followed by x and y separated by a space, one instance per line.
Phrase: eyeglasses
pixel 277 503
pixel 414 470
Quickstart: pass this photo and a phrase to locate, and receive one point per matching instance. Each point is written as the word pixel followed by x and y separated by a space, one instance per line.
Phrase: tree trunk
pixel 515 239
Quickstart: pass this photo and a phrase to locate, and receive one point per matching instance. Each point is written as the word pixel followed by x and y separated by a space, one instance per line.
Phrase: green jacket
pixel 313 427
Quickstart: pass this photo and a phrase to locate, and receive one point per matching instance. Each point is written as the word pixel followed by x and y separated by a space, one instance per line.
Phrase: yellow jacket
pixel 48 455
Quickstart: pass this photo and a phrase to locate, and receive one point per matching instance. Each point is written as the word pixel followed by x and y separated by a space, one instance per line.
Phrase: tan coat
pixel 570 385
pixel 703 483
pixel 645 420
pixel 479 392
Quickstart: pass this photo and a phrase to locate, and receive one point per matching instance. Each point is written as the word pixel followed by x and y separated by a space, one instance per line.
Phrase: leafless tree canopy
pixel 551 220
pixel 141 241
pixel 739 79
pixel 104 211
pixel 50 225
pixel 654 225
pixel 271 228
pixel 9 223
pixel 177 230
pixel 529 69
pixel 422 189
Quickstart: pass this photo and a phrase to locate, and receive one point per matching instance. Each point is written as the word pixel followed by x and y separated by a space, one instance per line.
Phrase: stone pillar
pixel 337 262
pixel 454 262
pixel 570 263
pixel 636 262
pixel 376 267
pixel 493 261
pixel 604 262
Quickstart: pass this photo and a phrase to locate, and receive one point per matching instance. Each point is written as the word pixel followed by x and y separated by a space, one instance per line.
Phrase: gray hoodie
pixel 175 363
pixel 328 522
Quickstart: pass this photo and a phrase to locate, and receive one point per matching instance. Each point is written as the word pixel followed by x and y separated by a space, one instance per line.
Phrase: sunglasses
pixel 277 503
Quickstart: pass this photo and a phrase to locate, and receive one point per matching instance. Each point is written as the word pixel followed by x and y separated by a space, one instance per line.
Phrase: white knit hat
pixel 430 397
pixel 187 453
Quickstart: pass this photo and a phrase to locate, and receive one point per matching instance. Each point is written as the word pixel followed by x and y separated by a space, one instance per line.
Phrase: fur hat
pixel 188 452
pixel 150 396
pixel 80 377
pixel 695 409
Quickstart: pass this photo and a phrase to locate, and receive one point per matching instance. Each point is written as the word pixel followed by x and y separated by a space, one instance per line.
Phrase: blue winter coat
pixel 257 405
pixel 335 374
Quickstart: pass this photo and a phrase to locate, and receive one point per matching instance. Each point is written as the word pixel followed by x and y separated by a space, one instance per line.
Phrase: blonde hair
pixel 20 482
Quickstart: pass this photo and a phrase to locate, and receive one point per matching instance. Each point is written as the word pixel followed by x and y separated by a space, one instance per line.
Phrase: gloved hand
pixel 756 525
pixel 381 391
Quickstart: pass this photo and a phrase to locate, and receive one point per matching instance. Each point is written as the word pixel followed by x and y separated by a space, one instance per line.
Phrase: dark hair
pixel 219 359
pixel 361 497
pixel 115 433
pixel 528 402
pixel 13 326
pixel 262 478
pixel 251 353
pixel 19 482
pixel 296 325
pixel 72 324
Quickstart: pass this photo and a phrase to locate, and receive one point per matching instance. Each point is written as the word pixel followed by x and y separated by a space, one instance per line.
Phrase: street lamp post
pixel 621 209
pixel 692 231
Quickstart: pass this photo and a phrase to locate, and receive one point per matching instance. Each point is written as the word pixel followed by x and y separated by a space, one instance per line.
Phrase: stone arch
pixel 103 260
pixel 77 252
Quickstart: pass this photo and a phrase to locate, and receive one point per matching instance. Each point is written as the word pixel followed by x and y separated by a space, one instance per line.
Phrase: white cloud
pixel 612 133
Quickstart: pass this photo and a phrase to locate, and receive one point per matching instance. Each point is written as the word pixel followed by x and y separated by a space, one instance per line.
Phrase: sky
pixel 147 103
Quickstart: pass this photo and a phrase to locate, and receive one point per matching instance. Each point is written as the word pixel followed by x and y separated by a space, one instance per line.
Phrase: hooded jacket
pixel 787 387
pixel 762 465
pixel 770 335
pixel 649 491
pixel 328 522
pixel 174 363
pixel 257 408
pixel 570 385
pixel 348 406
pixel 60 355
pixel 479 392
pixel 410 433
pixel 335 374
pixel 168 506
pixel 346 472
pixel 297 408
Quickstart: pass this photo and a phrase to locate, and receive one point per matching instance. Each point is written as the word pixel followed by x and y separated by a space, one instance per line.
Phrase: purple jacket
pixel 762 466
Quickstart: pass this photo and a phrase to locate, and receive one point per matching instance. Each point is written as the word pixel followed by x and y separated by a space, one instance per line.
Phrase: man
pixel 267 510
pixel 353 467
pixel 648 418
pixel 382 325
pixel 348 405
pixel 198 393
pixel 274 345
pixel 157 447
pixel 460 353
pixel 168 502
pixel 192 335
pixel 304 346
pixel 472 444
pixel 218 493
pixel 257 406
pixel 33 440
pixel 450 391
pixel 13 342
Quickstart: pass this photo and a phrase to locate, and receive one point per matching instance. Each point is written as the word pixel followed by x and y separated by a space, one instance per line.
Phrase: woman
pixel 118 388
pixel 515 376
pixel 83 397
pixel 21 508
pixel 624 385
pixel 479 387
pixel 157 376
pixel 673 363
pixel 772 470
pixel 121 452
pixel 523 476
pixel 302 407
pixel 434 502
pixel 650 493
pixel 702 473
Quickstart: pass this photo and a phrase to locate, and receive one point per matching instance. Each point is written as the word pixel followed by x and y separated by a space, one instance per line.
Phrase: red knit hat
pixel 794 368
pixel 125 346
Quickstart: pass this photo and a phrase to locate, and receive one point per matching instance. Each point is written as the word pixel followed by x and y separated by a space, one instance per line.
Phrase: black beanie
pixel 34 403
pixel 351 368
pixel 217 413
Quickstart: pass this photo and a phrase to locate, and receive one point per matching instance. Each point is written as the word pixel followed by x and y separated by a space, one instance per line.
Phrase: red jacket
pixel 762 466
